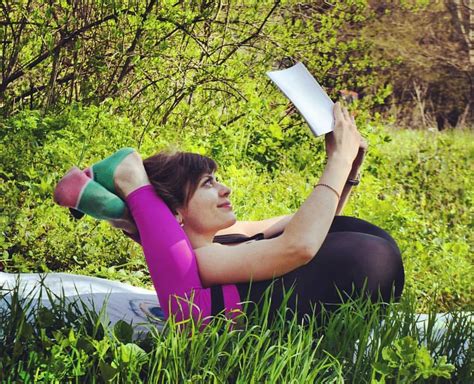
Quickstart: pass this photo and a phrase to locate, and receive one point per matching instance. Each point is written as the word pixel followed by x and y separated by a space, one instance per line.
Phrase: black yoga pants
pixel 356 258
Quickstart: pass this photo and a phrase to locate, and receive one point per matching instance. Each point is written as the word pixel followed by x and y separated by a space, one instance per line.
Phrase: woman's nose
pixel 225 191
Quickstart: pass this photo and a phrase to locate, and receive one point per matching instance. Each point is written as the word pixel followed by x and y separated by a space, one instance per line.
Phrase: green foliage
pixel 406 362
pixel 415 185
pixel 359 342
pixel 168 61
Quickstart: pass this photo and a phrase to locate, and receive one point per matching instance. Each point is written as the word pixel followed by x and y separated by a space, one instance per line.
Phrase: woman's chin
pixel 231 221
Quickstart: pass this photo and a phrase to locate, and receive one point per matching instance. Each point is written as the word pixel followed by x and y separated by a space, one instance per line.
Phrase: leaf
pixel 390 356
pixel 72 337
pixel 108 372
pixel 45 317
pixel 383 369
pixel 84 344
pixel 423 360
pixel 123 331
pixel 132 352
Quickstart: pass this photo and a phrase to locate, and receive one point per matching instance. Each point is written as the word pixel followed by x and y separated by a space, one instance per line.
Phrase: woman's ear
pixel 179 218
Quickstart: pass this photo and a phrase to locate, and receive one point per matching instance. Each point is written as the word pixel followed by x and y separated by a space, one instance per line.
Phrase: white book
pixel 307 96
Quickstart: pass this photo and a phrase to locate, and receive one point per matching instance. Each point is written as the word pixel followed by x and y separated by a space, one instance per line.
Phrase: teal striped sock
pixel 103 171
pixel 77 191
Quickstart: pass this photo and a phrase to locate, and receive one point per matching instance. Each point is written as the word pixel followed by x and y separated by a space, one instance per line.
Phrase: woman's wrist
pixel 340 160
pixel 354 173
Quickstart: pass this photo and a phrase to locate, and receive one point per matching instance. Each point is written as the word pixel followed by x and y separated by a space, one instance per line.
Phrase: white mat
pixel 134 305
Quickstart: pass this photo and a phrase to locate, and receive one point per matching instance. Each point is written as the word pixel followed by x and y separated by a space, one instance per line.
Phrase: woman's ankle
pixel 130 175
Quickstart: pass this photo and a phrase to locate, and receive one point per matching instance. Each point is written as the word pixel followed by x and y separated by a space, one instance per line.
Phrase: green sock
pixel 97 202
pixel 103 171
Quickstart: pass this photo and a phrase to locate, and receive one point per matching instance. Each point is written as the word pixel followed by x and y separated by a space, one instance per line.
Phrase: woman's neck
pixel 199 240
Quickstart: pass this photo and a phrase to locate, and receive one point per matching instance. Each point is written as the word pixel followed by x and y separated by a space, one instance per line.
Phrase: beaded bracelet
pixel 325 185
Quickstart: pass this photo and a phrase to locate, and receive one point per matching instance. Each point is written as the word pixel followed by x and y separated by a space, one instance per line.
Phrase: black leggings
pixel 357 257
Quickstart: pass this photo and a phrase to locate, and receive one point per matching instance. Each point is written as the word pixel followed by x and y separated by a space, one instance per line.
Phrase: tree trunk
pixel 462 15
pixel 471 32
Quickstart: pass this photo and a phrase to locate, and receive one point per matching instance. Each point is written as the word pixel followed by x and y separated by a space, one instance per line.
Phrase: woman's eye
pixel 210 180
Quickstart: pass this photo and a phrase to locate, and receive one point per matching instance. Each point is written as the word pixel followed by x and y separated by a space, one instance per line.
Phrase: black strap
pixel 258 236
pixel 233 238
pixel 217 300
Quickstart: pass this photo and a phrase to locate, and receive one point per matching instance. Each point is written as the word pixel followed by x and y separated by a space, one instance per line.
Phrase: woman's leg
pixel 353 224
pixel 353 261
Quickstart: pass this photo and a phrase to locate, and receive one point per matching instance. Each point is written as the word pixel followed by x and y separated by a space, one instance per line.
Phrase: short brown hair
pixel 175 175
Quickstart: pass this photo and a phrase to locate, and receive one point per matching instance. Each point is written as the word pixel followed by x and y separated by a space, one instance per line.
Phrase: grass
pixel 415 184
pixel 361 342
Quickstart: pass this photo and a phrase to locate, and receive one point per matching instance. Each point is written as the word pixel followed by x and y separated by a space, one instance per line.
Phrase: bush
pixel 414 185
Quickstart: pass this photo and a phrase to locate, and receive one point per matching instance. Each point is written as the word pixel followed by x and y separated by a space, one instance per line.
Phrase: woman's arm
pixel 274 225
pixel 346 191
pixel 303 236
pixel 354 174
pixel 305 231
pixel 344 197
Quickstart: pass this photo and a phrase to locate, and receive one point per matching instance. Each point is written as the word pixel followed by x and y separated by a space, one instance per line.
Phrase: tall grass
pixel 360 342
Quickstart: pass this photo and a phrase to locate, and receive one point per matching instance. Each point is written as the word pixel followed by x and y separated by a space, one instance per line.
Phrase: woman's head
pixel 186 183
pixel 175 176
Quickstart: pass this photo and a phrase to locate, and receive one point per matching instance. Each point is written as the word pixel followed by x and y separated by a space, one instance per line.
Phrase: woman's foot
pixel 76 190
pixel 103 171
pixel 130 175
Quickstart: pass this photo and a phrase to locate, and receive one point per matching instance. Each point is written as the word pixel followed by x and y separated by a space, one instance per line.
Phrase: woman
pixel 185 225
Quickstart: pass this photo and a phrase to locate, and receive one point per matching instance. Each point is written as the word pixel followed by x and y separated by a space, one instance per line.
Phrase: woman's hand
pixel 356 164
pixel 345 140
pixel 124 225
pixel 364 145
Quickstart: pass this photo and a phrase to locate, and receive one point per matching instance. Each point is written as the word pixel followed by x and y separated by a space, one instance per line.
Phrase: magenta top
pixel 172 262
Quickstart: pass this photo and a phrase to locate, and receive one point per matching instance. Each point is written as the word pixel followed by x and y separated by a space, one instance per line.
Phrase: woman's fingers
pixel 364 144
pixel 347 115
pixel 338 115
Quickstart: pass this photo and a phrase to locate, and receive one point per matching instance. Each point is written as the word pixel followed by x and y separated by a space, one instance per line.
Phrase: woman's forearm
pixel 309 226
pixel 346 192
pixel 283 221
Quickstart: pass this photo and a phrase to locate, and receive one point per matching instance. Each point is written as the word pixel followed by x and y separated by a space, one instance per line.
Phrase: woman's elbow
pixel 300 250
pixel 307 254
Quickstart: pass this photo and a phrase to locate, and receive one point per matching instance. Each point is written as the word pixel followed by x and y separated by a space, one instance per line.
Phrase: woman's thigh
pixel 346 264
pixel 353 224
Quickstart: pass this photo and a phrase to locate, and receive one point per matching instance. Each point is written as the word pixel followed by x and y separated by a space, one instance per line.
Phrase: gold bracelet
pixel 331 188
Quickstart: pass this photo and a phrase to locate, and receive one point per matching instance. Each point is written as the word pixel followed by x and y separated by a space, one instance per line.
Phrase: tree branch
pixel 62 42
pixel 252 36
pixel 39 88
pixel 131 49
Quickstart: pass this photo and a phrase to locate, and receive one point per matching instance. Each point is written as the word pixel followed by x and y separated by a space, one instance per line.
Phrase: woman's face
pixel 209 209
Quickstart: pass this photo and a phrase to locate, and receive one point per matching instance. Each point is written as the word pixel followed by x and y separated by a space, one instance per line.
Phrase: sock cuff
pixel 139 191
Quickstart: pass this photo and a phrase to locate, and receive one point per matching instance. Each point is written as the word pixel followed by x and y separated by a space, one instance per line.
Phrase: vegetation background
pixel 80 79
